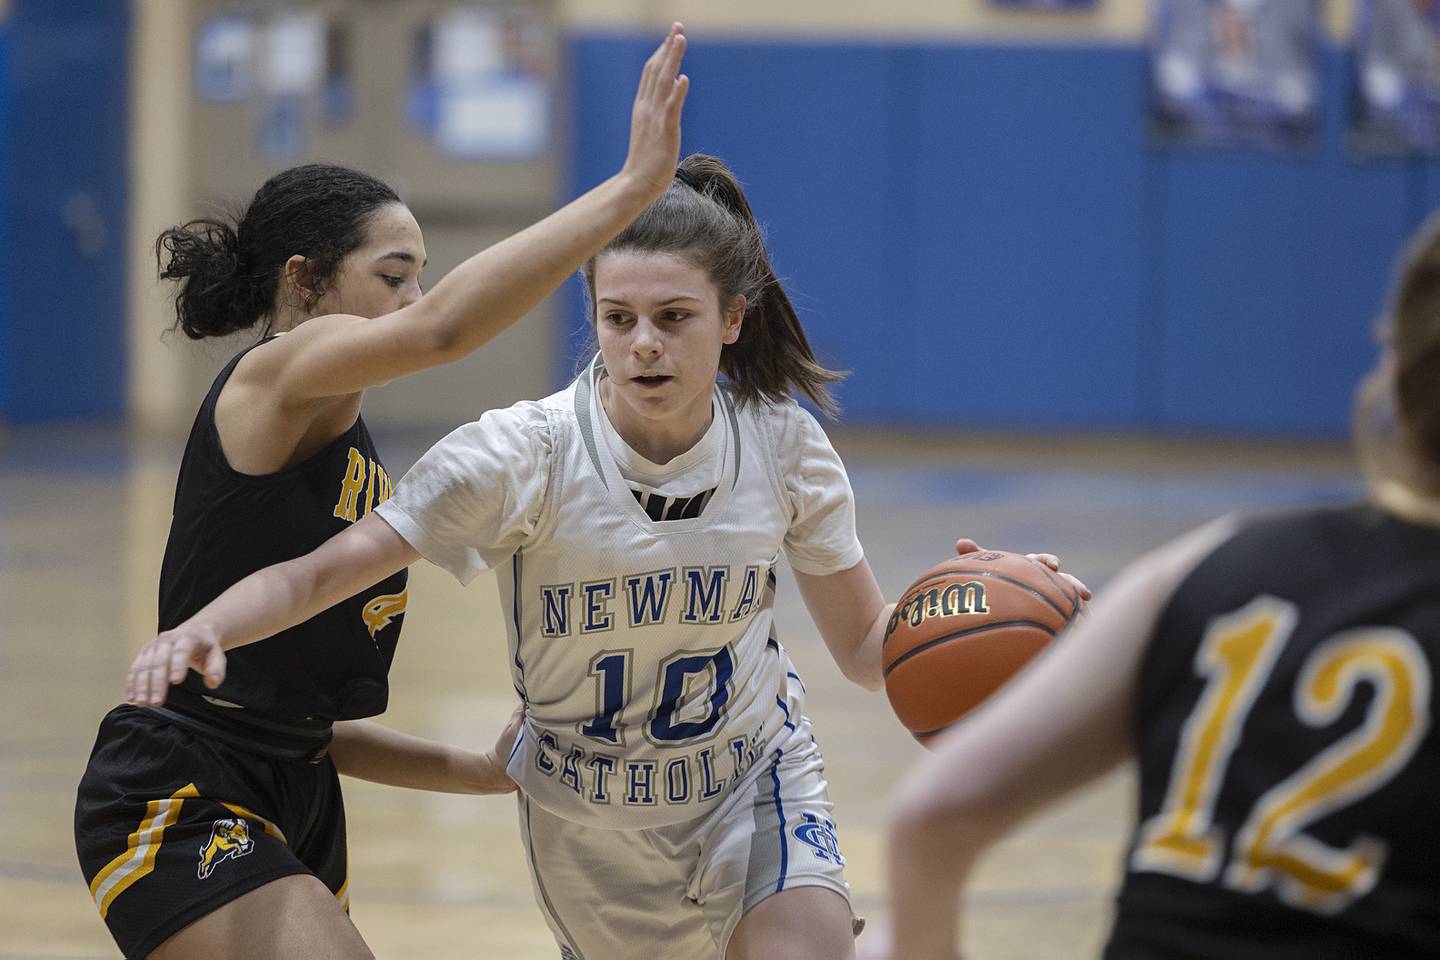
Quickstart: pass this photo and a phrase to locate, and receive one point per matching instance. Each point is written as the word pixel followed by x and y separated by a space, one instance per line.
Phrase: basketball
pixel 963 629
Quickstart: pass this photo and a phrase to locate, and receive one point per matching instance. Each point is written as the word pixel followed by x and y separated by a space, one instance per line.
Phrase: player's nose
pixel 646 341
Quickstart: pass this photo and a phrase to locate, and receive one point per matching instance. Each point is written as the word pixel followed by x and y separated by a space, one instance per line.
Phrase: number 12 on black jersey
pixel 1271 849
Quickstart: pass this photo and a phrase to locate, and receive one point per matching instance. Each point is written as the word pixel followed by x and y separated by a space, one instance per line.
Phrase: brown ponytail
pixel 705 218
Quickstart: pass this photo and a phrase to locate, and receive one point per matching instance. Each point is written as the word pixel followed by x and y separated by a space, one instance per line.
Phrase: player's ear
pixel 734 318
pixel 300 285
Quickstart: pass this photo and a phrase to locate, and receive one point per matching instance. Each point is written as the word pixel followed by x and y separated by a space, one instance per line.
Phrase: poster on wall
pixel 293 67
pixel 1235 72
pixel 225 59
pixel 1396 85
pixel 479 84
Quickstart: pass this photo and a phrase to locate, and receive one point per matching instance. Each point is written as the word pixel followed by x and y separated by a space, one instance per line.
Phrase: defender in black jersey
pixel 220 791
pixel 1275 680
pixel 209 820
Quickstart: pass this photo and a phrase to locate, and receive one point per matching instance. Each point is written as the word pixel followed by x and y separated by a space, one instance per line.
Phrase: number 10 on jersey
pixel 679 673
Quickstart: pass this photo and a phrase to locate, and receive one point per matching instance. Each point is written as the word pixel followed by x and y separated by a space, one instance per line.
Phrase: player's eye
pixel 616 318
pixel 673 316
pixel 392 281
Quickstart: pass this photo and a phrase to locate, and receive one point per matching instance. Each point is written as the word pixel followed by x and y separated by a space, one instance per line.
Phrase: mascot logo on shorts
pixel 380 611
pixel 228 839
pixel 819 835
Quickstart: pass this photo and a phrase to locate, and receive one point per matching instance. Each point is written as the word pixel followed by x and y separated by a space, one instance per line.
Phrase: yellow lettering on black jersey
pixel 361 476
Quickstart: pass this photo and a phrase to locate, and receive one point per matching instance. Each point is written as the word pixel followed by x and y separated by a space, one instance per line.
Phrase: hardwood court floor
pixel 83 518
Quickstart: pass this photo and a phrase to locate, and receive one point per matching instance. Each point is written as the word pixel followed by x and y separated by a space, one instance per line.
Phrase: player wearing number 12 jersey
pixel 1274 678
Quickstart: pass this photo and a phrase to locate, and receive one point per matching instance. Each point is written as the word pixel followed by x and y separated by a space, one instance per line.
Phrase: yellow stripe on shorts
pixel 138 860
pixel 270 828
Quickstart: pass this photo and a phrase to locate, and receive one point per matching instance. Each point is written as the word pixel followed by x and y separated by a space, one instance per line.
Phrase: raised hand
pixel 655 119
pixel 165 660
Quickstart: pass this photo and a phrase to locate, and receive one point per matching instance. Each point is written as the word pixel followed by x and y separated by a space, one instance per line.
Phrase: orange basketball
pixel 963 629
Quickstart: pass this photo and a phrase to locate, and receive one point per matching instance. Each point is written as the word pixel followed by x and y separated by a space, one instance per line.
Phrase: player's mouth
pixel 651 381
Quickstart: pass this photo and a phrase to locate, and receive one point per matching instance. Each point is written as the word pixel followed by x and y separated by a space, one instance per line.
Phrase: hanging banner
pixel 1396 92
pixel 1235 72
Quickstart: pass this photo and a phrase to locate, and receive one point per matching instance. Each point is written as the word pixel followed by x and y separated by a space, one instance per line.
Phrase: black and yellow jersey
pixel 1288 766
pixel 227 525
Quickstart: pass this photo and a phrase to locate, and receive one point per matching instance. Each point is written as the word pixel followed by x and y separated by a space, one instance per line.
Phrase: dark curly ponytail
pixel 704 217
pixel 229 275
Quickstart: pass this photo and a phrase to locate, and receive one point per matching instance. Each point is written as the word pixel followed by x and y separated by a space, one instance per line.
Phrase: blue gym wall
pixel 63 108
pixel 7 212
pixel 983 234
pixel 980 231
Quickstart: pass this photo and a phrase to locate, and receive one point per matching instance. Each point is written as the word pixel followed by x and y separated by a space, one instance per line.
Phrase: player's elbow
pixel 866 676
pixel 955 815
pixel 859 670
pixel 930 836
pixel 442 341
pixel 435 332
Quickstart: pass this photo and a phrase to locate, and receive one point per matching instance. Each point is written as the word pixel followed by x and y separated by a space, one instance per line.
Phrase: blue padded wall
pixel 1274 270
pixel 68 81
pixel 1025 236
pixel 7 213
pixel 983 234
pixel 810 143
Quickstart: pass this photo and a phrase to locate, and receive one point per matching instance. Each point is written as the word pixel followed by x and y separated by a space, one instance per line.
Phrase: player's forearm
pixel 497 286
pixel 372 751
pixel 865 662
pixel 851 614
pixel 262 605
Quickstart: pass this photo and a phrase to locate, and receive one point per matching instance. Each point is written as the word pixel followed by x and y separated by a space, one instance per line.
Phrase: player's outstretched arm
pixel 372 751
pixel 1061 723
pixel 266 602
pixel 340 355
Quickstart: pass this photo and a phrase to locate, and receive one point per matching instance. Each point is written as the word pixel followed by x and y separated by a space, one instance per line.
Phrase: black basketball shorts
pixel 171 824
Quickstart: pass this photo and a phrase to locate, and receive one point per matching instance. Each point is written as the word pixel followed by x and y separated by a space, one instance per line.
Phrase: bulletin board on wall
pixel 453 99
pixel 456 103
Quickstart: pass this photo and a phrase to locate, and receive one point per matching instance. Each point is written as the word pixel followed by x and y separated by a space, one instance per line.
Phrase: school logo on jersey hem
pixel 819 835
pixel 229 839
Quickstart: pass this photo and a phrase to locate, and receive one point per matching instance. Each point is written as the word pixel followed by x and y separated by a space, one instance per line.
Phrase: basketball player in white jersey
pixel 671 793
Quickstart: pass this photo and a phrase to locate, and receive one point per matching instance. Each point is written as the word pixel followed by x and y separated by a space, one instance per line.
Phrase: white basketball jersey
pixel 643 648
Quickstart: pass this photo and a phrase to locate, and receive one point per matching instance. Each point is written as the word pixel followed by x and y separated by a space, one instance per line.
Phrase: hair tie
pixel 688 179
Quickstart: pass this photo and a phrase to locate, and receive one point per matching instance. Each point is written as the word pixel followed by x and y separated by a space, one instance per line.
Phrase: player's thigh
pixel 802 923
pixel 295 916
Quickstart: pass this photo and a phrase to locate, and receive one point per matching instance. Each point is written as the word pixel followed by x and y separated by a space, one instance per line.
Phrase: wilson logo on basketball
pixel 956 599
pixel 228 839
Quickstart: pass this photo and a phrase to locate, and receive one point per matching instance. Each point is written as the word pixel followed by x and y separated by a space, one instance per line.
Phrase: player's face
pixel 661 327
pixel 383 273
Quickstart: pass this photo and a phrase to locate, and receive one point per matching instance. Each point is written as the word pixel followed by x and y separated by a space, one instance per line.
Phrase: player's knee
pixel 804 923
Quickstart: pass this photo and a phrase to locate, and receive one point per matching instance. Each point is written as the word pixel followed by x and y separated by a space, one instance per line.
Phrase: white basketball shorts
pixel 677 892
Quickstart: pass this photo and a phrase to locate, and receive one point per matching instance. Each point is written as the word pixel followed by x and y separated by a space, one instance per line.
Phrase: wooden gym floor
pixel 83 519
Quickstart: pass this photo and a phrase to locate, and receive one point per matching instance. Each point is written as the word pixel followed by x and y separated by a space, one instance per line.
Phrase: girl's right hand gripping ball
pixel 964 628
